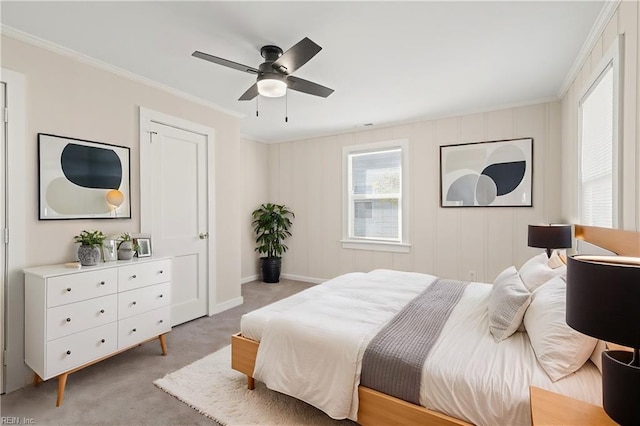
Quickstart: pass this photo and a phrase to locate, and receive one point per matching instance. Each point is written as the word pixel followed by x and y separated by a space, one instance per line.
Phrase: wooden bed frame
pixel 376 408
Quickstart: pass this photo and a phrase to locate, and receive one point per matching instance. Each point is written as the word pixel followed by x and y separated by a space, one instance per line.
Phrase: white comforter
pixel 311 348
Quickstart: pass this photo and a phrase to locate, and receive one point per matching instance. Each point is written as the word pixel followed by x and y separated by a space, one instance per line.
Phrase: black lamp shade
pixel 620 387
pixel 602 300
pixel 549 236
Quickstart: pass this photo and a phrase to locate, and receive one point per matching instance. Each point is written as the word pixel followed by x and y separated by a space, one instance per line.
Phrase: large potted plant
pixel 90 245
pixel 271 224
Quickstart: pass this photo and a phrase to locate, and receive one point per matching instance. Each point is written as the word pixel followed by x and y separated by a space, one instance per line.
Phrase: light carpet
pixel 210 386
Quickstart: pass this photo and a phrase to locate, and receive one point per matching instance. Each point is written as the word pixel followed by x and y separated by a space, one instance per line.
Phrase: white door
pixel 179 218
pixel 3 226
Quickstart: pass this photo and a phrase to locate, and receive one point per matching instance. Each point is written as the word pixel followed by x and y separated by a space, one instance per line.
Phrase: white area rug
pixel 210 386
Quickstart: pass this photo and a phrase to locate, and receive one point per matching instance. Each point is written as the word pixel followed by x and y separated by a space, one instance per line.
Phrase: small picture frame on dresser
pixel 109 250
pixel 144 247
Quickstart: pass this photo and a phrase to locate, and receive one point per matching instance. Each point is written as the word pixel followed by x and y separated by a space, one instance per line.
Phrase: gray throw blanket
pixel 393 360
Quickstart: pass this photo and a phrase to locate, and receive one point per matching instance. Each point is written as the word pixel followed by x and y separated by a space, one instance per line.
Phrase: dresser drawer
pixel 77 349
pixel 144 326
pixel 134 302
pixel 81 286
pixel 75 317
pixel 143 274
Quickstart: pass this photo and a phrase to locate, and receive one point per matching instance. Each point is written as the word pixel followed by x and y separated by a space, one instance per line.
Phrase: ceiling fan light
pixel 272 88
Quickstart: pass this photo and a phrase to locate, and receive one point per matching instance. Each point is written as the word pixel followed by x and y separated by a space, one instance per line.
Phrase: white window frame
pixel 349 242
pixel 611 59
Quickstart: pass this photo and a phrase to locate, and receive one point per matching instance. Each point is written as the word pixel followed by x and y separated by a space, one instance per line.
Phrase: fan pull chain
pixel 286 107
pixel 257 104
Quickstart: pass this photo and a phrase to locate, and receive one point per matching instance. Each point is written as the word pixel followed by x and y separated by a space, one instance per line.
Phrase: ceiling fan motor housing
pixel 270 52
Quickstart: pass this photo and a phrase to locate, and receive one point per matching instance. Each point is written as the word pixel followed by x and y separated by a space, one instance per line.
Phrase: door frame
pixel 148 118
pixel 14 371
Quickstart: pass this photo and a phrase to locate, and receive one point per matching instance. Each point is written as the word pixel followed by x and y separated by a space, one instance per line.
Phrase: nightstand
pixel 550 408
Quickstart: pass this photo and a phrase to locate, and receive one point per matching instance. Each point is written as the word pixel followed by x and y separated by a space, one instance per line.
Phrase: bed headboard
pixel 623 243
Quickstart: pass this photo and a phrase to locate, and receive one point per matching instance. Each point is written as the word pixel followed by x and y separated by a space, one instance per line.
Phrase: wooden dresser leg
pixel 62 382
pixel 251 383
pixel 163 344
pixel 36 379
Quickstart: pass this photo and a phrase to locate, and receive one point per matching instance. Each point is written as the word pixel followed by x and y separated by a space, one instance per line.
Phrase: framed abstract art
pixel 80 179
pixel 487 174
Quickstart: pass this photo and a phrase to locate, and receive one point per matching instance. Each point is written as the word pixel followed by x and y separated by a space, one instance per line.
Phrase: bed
pixel 467 377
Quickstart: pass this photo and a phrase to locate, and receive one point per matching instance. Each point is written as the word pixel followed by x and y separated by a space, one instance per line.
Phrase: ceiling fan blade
pixel 225 62
pixel 309 87
pixel 251 93
pixel 296 57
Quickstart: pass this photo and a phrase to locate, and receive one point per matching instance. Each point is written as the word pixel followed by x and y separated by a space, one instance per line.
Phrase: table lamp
pixel 549 237
pixel 603 293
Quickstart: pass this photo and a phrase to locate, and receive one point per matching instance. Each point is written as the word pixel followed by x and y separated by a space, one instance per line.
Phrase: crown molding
pixel 80 57
pixel 606 13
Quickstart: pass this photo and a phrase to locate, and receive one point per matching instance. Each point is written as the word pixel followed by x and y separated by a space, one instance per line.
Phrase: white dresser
pixel 76 317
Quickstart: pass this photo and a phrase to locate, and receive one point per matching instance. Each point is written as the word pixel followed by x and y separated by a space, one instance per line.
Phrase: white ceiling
pixel 388 62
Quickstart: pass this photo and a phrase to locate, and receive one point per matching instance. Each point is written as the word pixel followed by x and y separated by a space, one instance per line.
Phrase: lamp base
pixel 620 387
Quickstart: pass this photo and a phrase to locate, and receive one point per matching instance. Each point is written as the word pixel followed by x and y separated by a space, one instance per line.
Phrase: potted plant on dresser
pixel 126 247
pixel 271 224
pixel 89 252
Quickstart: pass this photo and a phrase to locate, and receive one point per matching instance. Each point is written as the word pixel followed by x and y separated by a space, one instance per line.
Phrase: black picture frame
pixel 75 175
pixel 487 174
pixel 144 247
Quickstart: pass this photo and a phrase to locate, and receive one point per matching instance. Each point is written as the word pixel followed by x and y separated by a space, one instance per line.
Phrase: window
pixel 375 184
pixel 598 183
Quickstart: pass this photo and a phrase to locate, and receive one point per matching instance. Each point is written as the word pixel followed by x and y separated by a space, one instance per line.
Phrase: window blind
pixel 596 162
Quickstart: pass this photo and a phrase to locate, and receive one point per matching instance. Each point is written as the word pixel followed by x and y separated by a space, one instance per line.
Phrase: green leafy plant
pixel 90 238
pixel 271 224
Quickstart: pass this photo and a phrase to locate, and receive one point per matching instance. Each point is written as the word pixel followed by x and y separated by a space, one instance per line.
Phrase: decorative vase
pixel 125 250
pixel 88 255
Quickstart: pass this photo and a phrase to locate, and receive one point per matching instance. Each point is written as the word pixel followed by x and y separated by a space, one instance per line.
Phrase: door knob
pixel 204 235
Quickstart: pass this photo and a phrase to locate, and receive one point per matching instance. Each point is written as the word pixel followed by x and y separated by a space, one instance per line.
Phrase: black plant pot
pixel 271 269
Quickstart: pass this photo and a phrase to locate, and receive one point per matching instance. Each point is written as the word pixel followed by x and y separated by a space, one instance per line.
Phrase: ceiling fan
pixel 274 74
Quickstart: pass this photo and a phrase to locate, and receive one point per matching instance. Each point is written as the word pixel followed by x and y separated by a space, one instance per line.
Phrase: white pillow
pixel 557 259
pixel 536 271
pixel 560 349
pixel 508 302
pixel 596 355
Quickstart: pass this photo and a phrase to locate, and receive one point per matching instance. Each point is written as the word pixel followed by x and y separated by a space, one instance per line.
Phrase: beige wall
pixel 624 21
pixel 254 192
pixel 307 176
pixel 70 98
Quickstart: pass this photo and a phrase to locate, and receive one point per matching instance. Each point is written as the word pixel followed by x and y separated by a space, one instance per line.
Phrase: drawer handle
pixel 134 302
pixel 161 295
pixel 134 330
pixel 68 319
pixel 161 271
pixel 133 276
pixel 101 282
pixel 68 288
pixel 161 321
pixel 102 311
pixel 102 341
pixel 68 352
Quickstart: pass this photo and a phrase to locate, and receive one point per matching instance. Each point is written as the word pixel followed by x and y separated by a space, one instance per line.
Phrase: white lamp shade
pixel 272 88
pixel 115 197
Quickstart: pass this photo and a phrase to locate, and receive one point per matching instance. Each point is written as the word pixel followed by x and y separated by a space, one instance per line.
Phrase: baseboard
pixel 303 278
pixel 224 306
pixel 249 279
